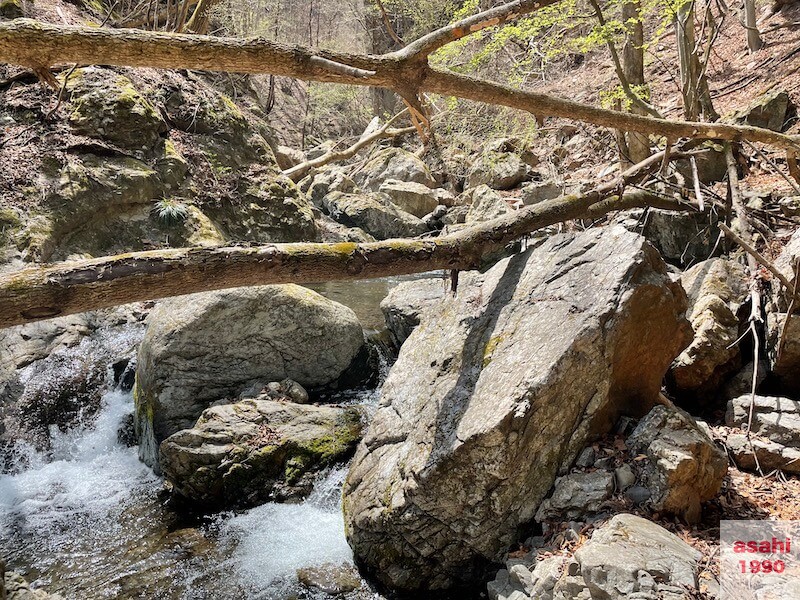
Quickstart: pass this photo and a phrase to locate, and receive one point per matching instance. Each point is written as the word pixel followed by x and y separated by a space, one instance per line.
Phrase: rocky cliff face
pixel 135 160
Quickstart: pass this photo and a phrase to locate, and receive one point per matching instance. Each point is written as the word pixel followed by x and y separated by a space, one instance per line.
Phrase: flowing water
pixel 86 519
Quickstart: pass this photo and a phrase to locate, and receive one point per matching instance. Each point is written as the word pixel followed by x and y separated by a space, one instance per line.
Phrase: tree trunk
pixel 198 23
pixel 638 145
pixel 754 42
pixel 687 60
pixel 385 30
pixel 694 83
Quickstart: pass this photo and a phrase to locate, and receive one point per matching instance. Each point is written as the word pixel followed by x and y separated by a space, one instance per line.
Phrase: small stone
pixel 624 477
pixel 521 574
pixel 585 458
pixel 638 494
pixel 294 391
pixel 332 579
pixel 607 462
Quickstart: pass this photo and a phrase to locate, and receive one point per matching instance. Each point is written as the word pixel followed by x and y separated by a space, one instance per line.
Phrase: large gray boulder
pixel 716 289
pixel 485 204
pixel 630 554
pixel 393 163
pixel 496 391
pixel 685 467
pixel 767 111
pixel 257 450
pixel 784 338
pixel 375 213
pixel 202 348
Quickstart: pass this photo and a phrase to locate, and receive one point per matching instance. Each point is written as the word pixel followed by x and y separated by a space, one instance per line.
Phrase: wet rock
pixel 767 111
pixel 498 170
pixel 202 348
pixel 685 467
pixel 776 433
pixel 16 588
pixel 492 395
pixel 335 580
pixel 256 450
pixel 577 494
pixel 374 213
pixel 716 289
pixel 54 373
pixel 405 303
pixel 393 163
pixel 415 198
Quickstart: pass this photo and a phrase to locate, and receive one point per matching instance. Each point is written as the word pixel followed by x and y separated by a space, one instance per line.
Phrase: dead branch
pixel 297 172
pixel 761 259
pixel 40 45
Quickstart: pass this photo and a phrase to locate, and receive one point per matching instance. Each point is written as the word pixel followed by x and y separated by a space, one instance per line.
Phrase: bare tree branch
pixel 40 45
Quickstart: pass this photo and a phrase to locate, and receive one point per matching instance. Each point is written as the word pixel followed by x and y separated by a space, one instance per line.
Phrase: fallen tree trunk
pixel 44 292
pixel 39 46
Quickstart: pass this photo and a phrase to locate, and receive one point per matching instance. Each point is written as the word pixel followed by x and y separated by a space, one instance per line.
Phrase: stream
pixel 89 521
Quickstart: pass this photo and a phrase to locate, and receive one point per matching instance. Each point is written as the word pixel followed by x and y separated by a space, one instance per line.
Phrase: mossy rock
pixel 12 9
pixel 105 104
pixel 10 223
pixel 269 208
pixel 191 110
pixel 256 450
pixel 172 166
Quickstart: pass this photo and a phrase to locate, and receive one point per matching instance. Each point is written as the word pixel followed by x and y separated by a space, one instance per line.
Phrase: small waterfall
pixel 271 542
pixel 85 519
